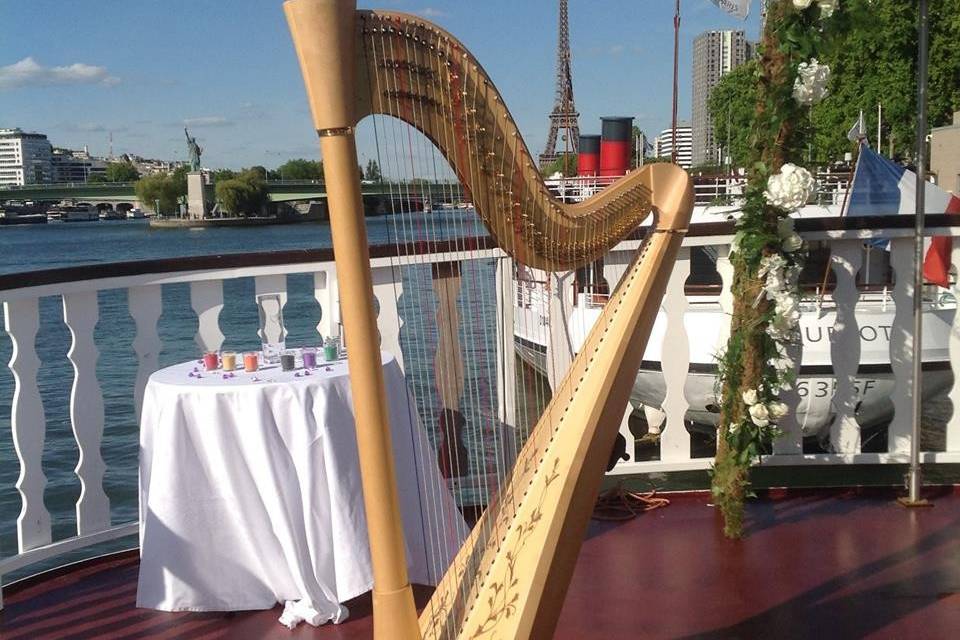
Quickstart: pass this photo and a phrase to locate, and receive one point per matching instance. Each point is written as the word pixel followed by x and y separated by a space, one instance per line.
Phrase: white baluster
pixel 206 299
pixel 790 441
pixel 559 346
pixel 901 345
pixel 655 419
pixel 387 289
pixel 614 266
pixel 953 424
pixel 675 363
pixel 28 423
pixel 272 331
pixel 506 353
pixel 846 258
pixel 325 293
pixel 145 304
pixel 80 313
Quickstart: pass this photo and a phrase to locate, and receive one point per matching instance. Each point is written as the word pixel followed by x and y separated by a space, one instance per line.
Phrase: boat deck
pixel 824 564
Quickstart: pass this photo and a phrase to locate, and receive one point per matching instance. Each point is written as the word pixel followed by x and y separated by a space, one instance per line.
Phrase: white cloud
pixel 29 72
pixel 207 121
pixel 430 12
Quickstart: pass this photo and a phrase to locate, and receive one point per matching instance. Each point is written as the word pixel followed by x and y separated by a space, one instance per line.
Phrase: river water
pixel 29 248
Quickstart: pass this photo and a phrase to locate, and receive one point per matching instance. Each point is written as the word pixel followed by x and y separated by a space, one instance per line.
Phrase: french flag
pixel 882 187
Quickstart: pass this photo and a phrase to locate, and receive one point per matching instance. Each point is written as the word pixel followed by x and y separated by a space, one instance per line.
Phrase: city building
pixel 715 53
pixel 663 145
pixel 149 166
pixel 75 166
pixel 945 155
pixel 25 158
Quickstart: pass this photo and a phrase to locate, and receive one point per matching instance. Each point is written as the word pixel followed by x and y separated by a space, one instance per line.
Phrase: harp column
pixel 323 34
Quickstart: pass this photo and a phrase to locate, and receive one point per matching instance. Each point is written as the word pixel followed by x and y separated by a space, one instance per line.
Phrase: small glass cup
pixel 330 350
pixel 228 360
pixel 250 361
pixel 309 357
pixel 288 361
pixel 210 361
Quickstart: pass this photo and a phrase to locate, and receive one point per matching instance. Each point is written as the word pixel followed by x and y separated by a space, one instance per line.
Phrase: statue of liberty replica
pixel 199 190
pixel 195 151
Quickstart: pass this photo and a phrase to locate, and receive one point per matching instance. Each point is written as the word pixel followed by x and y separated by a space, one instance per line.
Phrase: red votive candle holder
pixel 250 362
pixel 210 361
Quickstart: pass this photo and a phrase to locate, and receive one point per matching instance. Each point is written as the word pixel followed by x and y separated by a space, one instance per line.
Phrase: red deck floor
pixel 820 565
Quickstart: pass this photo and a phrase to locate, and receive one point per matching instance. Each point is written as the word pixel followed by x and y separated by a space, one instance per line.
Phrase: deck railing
pixel 79 292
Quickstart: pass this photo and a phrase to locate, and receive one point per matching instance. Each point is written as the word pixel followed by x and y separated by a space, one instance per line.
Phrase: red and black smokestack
pixel 588 156
pixel 615 142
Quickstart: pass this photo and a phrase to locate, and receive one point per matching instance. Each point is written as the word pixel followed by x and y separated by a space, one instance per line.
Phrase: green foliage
pixel 161 189
pixel 121 172
pixel 566 165
pixel 873 61
pixel 733 101
pixel 372 171
pixel 96 178
pixel 245 194
pixel 300 169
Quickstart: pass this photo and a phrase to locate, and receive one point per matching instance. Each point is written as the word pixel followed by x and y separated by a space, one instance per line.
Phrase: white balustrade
pixel 846 257
pixel 28 422
pixel 555 301
pixel 206 298
pixel 675 363
pixel 506 361
pixel 901 345
pixel 387 289
pixel 271 290
pixel 146 305
pixel 80 313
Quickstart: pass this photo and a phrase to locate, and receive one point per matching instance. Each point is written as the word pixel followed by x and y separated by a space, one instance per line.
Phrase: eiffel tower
pixel 564 114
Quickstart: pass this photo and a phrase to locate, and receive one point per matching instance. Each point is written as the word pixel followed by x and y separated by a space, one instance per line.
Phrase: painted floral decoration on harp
pixel 759 360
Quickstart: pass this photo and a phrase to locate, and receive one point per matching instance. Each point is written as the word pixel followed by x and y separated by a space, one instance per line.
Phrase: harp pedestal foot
pixel 395 615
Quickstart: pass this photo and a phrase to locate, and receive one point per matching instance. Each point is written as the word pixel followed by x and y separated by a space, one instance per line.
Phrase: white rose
pixel 790 189
pixel 810 87
pixel 827 7
pixel 777 410
pixel 759 415
pixel 802 4
pixel 750 397
pixel 792 243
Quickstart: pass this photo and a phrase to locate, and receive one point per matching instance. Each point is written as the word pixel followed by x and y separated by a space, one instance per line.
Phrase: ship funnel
pixel 615 146
pixel 588 156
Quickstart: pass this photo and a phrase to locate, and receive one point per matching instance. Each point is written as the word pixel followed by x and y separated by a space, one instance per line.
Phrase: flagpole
pixel 676 51
pixel 914 479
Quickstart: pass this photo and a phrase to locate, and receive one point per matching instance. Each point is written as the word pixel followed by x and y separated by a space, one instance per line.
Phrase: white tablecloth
pixel 250 490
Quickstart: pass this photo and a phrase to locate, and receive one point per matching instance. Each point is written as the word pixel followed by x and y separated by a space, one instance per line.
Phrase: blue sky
pixel 79 70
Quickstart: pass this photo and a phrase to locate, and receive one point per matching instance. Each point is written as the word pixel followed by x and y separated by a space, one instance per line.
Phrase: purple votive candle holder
pixel 309 358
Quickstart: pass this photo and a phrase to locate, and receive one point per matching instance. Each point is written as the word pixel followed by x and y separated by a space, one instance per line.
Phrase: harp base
pixel 395 616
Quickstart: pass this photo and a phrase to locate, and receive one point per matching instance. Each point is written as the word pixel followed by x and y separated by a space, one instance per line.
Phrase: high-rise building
pixel 24 158
pixel 715 53
pixel 663 145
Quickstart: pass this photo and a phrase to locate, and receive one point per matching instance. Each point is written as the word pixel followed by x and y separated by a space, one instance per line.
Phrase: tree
pixel 876 65
pixel 300 169
pixel 121 172
pixel 96 178
pixel 566 164
pixel 160 191
pixel 245 194
pixel 373 171
pixel 732 101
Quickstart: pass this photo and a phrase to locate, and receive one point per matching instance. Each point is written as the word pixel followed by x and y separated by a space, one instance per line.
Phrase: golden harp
pixel 510 577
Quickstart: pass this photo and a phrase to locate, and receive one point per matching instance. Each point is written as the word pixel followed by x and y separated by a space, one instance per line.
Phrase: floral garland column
pixel 766 253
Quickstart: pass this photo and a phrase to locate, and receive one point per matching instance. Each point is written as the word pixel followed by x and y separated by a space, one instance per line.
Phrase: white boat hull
pixel 705 325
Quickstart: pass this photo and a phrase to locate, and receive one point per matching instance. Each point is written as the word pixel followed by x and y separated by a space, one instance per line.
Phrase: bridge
pixel 277 190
